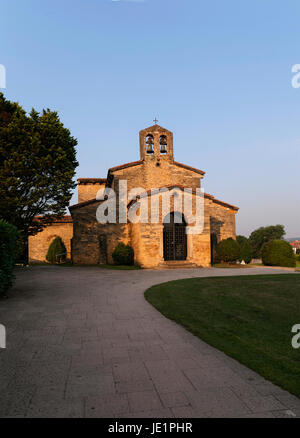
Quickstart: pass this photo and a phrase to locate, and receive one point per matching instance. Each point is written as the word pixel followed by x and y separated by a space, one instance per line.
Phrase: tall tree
pixel 246 250
pixel 263 235
pixel 37 166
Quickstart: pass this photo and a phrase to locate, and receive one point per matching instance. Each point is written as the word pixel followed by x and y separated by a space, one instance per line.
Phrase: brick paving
pixel 83 342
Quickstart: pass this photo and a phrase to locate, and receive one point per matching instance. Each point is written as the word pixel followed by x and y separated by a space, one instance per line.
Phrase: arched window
pixel 163 144
pixel 149 144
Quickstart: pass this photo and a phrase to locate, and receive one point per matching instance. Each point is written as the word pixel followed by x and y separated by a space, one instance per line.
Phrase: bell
pixel 163 144
pixel 149 140
pixel 149 143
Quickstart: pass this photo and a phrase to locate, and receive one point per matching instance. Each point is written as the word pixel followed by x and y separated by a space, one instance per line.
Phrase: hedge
pixel 9 237
pixel 228 250
pixel 278 253
pixel 246 250
pixel 123 255
pixel 56 252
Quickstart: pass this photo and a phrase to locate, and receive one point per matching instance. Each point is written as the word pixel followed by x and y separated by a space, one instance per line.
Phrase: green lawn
pixel 120 267
pixel 231 265
pixel 248 317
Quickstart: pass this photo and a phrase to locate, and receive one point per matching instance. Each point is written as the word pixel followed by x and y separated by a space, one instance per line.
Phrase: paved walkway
pixel 83 342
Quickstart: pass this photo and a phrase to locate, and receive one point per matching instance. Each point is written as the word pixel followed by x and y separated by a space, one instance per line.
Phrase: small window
pixel 163 144
pixel 149 144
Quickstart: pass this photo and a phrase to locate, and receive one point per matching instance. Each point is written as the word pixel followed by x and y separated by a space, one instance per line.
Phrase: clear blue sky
pixel 217 73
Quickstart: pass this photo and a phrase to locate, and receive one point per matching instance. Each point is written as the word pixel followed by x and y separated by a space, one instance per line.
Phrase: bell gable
pixel 156 143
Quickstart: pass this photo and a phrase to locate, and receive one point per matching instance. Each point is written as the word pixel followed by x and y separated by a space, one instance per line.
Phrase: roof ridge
pixel 124 166
pixel 181 187
pixel 186 166
pixel 95 180
pixel 83 203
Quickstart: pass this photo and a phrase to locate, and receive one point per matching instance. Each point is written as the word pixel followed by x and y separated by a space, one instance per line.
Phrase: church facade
pixel 171 240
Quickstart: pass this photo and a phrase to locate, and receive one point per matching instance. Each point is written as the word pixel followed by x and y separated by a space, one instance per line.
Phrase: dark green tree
pixel 123 254
pixel 37 166
pixel 241 239
pixel 278 253
pixel 263 235
pixel 8 252
pixel 246 250
pixel 57 252
pixel 228 250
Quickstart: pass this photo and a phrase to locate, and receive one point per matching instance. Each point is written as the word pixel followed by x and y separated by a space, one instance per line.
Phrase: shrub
pixel 57 251
pixel 246 253
pixel 246 250
pixel 241 239
pixel 228 250
pixel 262 235
pixel 123 254
pixel 8 253
pixel 278 253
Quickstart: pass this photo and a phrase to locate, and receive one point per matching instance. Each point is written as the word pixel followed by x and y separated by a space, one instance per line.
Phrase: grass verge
pixel 248 317
pixel 120 267
pixel 231 265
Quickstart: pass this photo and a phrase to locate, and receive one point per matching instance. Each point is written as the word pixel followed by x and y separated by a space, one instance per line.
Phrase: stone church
pixel 163 244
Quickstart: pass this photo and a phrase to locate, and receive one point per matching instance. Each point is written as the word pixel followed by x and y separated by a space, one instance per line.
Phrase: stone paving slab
pixel 83 342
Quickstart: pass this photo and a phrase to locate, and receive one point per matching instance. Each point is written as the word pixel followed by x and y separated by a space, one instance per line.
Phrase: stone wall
pixel 146 243
pixel 147 240
pixel 148 175
pixel 88 190
pixel 93 243
pixel 222 221
pixel 38 245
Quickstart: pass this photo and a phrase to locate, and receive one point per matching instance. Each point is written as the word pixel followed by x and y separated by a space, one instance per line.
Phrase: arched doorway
pixel 175 238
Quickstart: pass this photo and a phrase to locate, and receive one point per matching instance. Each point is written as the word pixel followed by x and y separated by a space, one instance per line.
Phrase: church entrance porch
pixel 175 238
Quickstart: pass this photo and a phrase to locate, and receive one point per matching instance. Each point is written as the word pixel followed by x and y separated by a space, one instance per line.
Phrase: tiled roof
pixel 155 127
pixel 92 181
pixel 65 219
pixel 136 163
pixel 217 201
pixel 125 166
pixel 83 204
pixel 206 195
pixel 296 244
pixel 185 166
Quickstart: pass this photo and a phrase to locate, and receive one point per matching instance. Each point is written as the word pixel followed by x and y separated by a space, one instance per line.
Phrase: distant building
pixel 295 245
